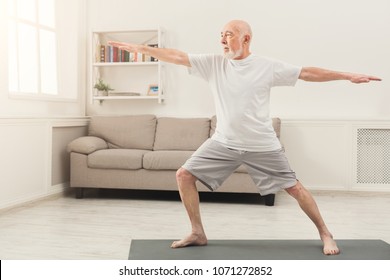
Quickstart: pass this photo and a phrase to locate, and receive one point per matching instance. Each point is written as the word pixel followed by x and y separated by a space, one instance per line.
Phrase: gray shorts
pixel 213 163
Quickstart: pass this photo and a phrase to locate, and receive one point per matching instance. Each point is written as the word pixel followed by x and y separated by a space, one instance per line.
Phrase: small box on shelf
pixel 153 90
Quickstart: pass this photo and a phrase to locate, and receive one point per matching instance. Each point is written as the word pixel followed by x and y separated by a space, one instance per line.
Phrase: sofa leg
pixel 79 193
pixel 269 199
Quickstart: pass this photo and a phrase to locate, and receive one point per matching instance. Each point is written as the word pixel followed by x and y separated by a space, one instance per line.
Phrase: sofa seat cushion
pixel 116 159
pixel 165 160
pixel 181 134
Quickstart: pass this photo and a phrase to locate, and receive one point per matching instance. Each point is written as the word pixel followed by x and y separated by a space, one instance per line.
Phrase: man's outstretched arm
pixel 314 74
pixel 167 55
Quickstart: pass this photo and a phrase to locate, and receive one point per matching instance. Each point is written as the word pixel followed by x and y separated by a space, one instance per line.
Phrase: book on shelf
pixel 102 57
pixel 110 54
pixel 107 53
pixel 114 54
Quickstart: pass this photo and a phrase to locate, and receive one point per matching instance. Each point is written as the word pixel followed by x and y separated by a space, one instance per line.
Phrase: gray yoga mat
pixel 259 250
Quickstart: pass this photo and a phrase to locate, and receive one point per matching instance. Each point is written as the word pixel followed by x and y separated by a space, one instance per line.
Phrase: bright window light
pixel 28 58
pixel 11 8
pixel 13 80
pixel 48 63
pixel 27 10
pixel 46 13
pixel 32 47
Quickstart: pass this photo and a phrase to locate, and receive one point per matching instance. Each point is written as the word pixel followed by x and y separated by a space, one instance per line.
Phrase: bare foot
pixel 191 240
pixel 330 246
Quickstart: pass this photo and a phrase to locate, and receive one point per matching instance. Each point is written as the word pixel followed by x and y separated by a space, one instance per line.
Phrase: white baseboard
pixel 52 191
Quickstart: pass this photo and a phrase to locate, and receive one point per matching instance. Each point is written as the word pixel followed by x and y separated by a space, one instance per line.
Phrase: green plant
pixel 102 86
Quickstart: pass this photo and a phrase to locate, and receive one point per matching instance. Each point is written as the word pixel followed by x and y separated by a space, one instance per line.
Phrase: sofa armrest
pixel 276 123
pixel 87 145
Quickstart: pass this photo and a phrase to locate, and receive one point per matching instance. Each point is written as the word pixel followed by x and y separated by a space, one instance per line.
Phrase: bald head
pixel 241 27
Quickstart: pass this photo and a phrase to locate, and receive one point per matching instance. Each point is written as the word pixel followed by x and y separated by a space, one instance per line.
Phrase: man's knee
pixel 184 176
pixel 296 190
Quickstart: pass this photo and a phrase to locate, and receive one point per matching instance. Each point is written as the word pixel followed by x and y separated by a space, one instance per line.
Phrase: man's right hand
pixel 125 46
pixel 166 55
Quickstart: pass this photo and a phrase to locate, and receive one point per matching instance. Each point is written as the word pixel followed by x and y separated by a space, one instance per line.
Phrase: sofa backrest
pixel 125 132
pixel 184 134
pixel 275 123
pixel 146 132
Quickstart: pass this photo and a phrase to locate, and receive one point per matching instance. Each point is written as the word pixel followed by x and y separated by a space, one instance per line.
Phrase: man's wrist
pixel 346 76
pixel 142 49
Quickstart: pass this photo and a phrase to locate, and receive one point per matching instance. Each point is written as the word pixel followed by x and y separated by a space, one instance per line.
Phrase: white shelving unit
pixel 127 76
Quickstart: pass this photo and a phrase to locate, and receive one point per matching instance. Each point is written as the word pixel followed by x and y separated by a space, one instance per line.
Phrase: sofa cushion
pixel 165 160
pixel 125 132
pixel 116 159
pixel 184 134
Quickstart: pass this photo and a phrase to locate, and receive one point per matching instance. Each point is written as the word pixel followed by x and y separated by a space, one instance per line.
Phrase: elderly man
pixel 241 82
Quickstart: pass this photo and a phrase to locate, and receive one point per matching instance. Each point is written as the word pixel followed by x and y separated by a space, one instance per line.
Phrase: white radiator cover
pixel 373 156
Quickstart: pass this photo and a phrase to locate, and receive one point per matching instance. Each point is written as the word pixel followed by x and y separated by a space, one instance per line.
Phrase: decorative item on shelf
pixel 153 90
pixel 102 88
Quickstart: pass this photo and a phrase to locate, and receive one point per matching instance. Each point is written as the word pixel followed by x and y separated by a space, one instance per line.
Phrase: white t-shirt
pixel 241 90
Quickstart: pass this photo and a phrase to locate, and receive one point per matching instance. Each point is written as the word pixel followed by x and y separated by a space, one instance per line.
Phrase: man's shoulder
pixel 205 55
pixel 264 59
pixel 206 59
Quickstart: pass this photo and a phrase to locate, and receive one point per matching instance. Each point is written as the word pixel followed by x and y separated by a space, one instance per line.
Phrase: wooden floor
pixel 102 225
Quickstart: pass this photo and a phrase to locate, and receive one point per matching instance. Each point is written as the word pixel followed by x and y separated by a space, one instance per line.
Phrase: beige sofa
pixel 144 152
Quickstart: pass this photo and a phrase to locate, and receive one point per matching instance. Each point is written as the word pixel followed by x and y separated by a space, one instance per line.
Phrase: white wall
pixel 349 35
pixel 30 163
